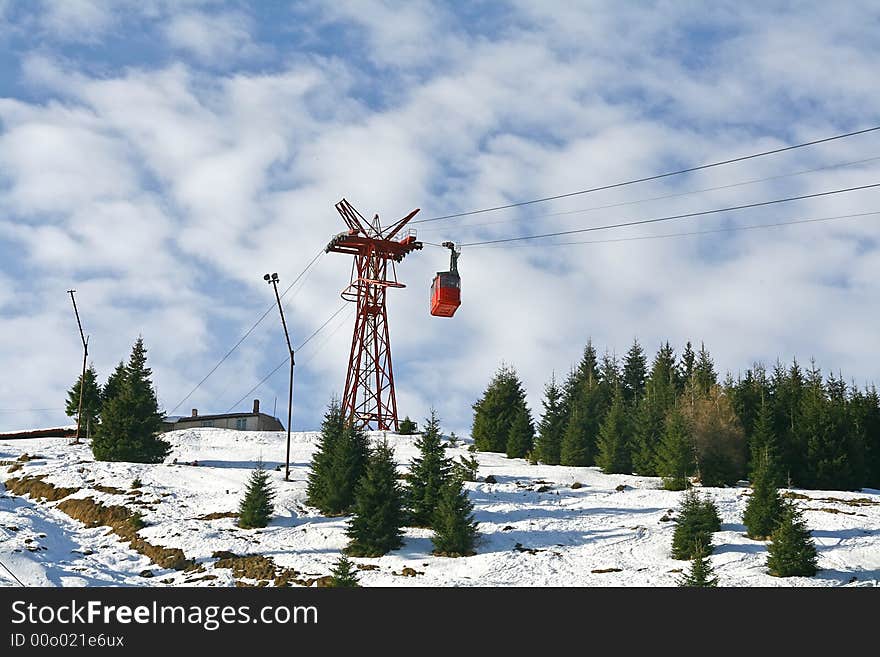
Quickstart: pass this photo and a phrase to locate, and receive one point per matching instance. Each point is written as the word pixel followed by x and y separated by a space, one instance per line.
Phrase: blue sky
pixel 160 157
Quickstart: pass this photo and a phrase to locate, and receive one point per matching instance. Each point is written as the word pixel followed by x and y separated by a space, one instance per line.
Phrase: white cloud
pixel 76 20
pixel 214 38
pixel 165 194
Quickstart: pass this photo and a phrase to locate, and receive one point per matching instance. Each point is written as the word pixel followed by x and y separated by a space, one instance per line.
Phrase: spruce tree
pixel 521 435
pixel 375 528
pixel 495 410
pixel 344 574
pixel 113 385
pixel 701 574
pixel 586 373
pixel 675 455
pixel 455 531
pixel 704 372
pixel 686 367
pixel 587 406
pixel 578 441
pixel 466 468
pixel 337 465
pixel 91 401
pixel 651 411
pixel 131 421
pixel 552 425
pixel 791 552
pixel 764 509
pixel 614 445
pixel 764 448
pixel 408 427
pixel 635 372
pixel 255 509
pixel 428 473
pixel 697 520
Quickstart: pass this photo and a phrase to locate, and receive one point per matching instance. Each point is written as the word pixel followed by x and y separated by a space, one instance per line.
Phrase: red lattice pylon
pixel 369 400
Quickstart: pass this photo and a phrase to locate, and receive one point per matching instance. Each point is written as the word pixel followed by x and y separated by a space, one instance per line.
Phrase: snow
pixel 558 537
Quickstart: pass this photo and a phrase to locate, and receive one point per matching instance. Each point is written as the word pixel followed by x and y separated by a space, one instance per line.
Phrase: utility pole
pixel 82 380
pixel 273 280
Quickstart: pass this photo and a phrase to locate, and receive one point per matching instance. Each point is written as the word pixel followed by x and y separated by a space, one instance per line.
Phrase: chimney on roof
pixel 256 406
pixel 195 412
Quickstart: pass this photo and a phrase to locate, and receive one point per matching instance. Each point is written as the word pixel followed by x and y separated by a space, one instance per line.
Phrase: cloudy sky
pixel 161 156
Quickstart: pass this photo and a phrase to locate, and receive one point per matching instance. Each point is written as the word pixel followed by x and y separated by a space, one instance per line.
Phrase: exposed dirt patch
pixel 37 488
pixel 250 566
pixel 257 567
pixel 124 523
pixel 835 511
pixel 121 520
pixel 217 515
pixel 110 490
pixel 857 501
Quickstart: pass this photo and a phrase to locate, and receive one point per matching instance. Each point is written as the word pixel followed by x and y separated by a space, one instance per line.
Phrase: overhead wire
pixel 664 197
pixel 673 217
pixel 658 176
pixel 287 358
pixel 726 229
pixel 248 332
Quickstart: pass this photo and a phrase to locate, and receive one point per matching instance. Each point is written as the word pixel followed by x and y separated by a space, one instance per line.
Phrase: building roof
pixel 217 416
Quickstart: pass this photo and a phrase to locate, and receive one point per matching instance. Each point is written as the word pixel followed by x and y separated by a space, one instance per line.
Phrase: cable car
pixel 446 288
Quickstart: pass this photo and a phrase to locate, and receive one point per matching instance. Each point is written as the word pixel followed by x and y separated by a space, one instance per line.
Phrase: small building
pixel 253 421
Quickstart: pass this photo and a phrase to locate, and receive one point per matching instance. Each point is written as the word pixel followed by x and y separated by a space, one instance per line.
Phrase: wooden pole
pixel 82 380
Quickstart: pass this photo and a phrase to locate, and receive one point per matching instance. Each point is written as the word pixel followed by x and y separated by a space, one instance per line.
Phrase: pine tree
pixel 586 403
pixel 256 506
pixel 792 552
pixel 455 531
pixel 635 372
pixel 586 373
pixel 704 372
pixel 428 473
pixel 552 425
pixel 702 573
pixel 113 385
pixel 375 528
pixel 344 574
pixel 578 439
pixel 131 421
pixel 466 468
pixel 764 509
pixel 495 410
pixel 686 368
pixel 696 522
pixel 521 436
pixel 337 465
pixel 675 455
pixel 614 445
pixel 91 401
pixel 651 411
pixel 408 427
pixel 764 447
pixel 788 389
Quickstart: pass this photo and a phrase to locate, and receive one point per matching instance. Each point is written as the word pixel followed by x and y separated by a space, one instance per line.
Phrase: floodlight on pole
pixel 272 279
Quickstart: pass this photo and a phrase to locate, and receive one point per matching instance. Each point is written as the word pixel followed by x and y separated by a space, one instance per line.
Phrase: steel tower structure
pixel 369 398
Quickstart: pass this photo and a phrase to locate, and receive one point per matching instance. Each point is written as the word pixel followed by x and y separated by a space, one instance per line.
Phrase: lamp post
pixel 82 380
pixel 273 280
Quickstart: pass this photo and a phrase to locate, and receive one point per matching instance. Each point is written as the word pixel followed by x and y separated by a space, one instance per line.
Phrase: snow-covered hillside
pixel 536 530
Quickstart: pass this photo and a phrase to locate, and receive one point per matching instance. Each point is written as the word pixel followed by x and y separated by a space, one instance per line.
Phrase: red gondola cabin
pixel 446 288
